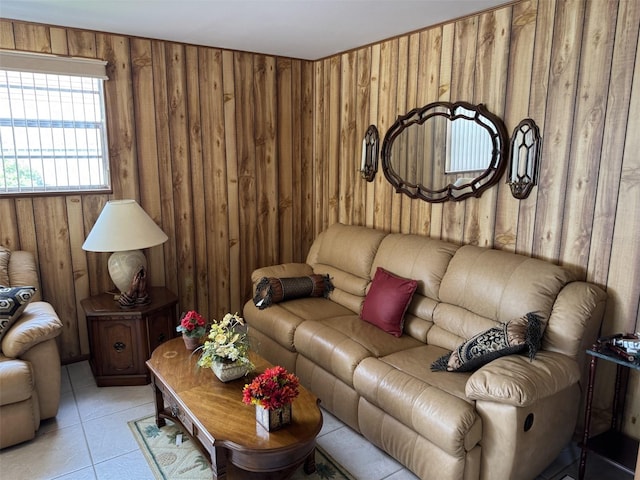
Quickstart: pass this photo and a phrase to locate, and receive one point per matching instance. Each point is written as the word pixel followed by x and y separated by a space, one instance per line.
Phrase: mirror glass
pixel 445 151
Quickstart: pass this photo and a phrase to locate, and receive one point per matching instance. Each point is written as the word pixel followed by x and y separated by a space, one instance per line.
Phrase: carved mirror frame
pixel 461 187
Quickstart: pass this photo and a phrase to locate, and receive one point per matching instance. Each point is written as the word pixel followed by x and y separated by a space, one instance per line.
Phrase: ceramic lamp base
pixel 124 265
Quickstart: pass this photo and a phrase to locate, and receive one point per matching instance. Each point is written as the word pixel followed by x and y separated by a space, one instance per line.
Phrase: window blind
pixel 52 64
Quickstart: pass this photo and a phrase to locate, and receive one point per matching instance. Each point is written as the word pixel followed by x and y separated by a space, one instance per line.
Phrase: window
pixel 52 124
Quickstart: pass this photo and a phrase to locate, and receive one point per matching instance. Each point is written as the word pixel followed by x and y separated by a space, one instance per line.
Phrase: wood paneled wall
pixel 243 158
pixel 572 66
pixel 215 145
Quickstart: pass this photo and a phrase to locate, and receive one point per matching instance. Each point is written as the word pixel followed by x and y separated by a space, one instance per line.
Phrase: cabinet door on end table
pixel 161 326
pixel 118 353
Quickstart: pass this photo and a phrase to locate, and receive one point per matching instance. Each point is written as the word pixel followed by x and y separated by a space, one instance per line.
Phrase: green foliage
pixel 12 177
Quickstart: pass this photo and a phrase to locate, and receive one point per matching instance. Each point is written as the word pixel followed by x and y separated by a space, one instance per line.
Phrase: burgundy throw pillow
pixel 387 301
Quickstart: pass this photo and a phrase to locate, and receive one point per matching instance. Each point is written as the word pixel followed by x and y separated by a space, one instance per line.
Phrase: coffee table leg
pixel 160 421
pixel 219 463
pixel 310 463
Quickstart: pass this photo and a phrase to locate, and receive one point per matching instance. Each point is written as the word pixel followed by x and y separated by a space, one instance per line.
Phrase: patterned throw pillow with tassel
pixel 515 336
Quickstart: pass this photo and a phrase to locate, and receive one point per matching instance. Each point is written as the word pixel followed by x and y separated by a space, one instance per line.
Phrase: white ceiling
pixel 306 29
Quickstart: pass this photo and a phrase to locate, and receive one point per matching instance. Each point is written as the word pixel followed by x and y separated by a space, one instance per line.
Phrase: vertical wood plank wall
pixel 243 158
pixel 215 145
pixel 572 66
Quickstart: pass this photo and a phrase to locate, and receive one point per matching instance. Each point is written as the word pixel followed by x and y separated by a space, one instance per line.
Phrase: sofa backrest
pixel 18 269
pixel 419 258
pixel 346 252
pixel 462 290
pixel 484 286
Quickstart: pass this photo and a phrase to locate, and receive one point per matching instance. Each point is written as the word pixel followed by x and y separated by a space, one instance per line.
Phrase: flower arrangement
pixel 272 389
pixel 227 342
pixel 192 324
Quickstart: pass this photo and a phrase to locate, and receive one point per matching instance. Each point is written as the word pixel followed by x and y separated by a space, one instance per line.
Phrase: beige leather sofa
pixel 29 360
pixel 505 421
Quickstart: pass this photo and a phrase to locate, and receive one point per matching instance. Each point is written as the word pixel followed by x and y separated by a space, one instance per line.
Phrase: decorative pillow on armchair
pixel 272 290
pixel 13 301
pixel 515 336
pixel 387 301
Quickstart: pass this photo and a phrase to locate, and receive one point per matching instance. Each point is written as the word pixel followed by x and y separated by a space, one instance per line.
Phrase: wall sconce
pixel 369 164
pixel 525 158
pixel 124 228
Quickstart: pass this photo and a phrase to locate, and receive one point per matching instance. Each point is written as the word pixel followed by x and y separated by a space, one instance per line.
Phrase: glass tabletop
pixel 603 351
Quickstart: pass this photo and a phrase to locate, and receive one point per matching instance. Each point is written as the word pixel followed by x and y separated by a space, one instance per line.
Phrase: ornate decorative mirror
pixel 445 151
pixel 370 145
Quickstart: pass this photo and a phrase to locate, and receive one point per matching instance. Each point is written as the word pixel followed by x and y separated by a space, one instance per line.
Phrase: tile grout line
pixel 75 404
pixel 84 433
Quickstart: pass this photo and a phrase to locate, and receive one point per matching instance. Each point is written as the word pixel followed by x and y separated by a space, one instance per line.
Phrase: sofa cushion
pixel 446 420
pixel 272 290
pixel 521 334
pixel 387 301
pixel 339 344
pixel 5 255
pixel 13 301
pixel 336 248
pixel 499 285
pixel 415 362
pixel 418 257
pixel 280 321
pixel 349 268
pixel 23 271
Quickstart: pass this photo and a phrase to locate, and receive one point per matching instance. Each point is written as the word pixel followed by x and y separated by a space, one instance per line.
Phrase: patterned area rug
pixel 185 462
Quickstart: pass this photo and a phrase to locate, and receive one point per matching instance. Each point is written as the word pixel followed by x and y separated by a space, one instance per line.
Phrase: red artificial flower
pixel 272 389
pixel 192 324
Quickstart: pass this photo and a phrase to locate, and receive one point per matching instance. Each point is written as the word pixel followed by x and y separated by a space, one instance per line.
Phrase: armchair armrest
pixel 284 270
pixel 514 380
pixel 38 323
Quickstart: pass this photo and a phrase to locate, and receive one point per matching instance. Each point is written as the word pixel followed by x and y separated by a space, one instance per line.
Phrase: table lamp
pixel 124 228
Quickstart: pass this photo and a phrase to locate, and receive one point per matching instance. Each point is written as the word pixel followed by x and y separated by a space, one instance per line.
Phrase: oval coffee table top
pixel 217 410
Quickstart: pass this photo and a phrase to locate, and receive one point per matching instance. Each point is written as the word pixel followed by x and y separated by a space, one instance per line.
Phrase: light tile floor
pixel 90 439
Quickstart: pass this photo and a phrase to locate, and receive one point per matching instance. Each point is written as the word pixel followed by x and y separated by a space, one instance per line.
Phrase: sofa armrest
pixel 38 323
pixel 514 380
pixel 284 270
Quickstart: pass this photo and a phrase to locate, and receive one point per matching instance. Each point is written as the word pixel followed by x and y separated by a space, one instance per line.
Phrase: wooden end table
pixel 122 339
pixel 612 445
pixel 223 427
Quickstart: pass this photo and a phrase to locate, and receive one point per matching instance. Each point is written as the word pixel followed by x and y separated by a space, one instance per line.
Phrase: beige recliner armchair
pixel 29 357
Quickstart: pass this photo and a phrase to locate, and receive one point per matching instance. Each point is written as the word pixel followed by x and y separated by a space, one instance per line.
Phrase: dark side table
pixel 122 339
pixel 612 445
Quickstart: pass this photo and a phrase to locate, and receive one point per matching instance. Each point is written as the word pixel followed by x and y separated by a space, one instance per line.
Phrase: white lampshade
pixel 124 227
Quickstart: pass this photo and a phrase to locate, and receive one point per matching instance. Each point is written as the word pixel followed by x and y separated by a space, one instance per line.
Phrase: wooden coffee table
pixel 224 428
